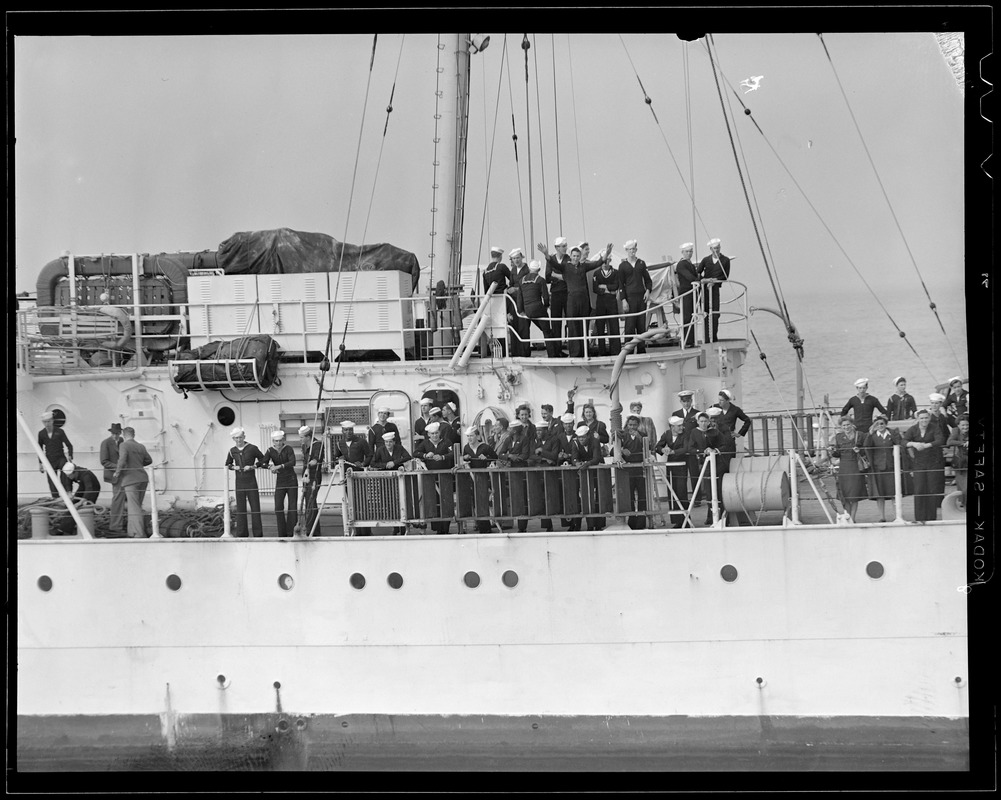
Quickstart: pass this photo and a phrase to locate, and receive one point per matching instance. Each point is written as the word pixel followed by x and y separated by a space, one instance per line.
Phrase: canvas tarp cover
pixel 286 251
pixel 262 348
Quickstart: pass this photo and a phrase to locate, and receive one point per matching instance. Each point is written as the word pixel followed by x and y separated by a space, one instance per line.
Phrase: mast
pixel 455 116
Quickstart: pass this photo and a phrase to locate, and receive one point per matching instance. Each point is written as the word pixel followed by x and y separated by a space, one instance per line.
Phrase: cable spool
pixel 758 485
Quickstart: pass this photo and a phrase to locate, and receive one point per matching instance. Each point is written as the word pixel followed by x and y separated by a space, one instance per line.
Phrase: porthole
pixel 874 570
pixel 358 580
pixel 45 583
pixel 173 583
pixel 728 573
pixel 471 579
pixel 285 581
pixel 58 417
pixel 510 578
pixel 226 416
pixel 395 580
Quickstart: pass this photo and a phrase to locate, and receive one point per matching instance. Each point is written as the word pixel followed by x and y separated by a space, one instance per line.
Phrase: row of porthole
pixel 728 573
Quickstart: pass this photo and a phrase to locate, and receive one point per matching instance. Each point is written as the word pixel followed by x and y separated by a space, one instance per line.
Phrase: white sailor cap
pixel 431 427
pixel 497 250
pixel 451 406
pixel 237 432
pixel 898 379
pixel 304 430
pixel 471 430
pixel 935 397
pixel 46 416
pixel 516 252
pixel 69 468
pixel 685 393
pixel 388 437
pixel 630 244
pixel 861 382
pixel 582 430
pixel 427 401
pixel 727 392
pixel 687 246
pixel 957 379
pixel 277 436
pixel 347 424
pixel 534 266
pixel 575 250
pixel 561 241
pixel 713 243
pixel 567 418
pixel 435 410
pixel 714 411
pixel 676 421
pixel 582 245
pixel 382 410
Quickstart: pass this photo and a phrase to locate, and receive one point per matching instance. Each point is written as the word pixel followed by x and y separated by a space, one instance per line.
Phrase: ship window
pixel 510 578
pixel 45 583
pixel 58 417
pixel 173 583
pixel 728 573
pixel 471 579
pixel 395 580
pixel 358 580
pixel 226 416
pixel 874 570
pixel 285 581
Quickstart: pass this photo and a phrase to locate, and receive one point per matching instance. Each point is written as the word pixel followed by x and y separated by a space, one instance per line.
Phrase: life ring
pixel 122 316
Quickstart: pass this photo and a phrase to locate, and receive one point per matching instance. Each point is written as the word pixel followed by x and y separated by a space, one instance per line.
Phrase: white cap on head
pixel 431 427
pixel 713 243
pixel 69 468
pixel 687 246
pixel 675 421
pixel 861 382
pixel 471 430
pixel 727 393
pixel 347 424
pixel 388 437
pixel 516 252
pixel 426 401
pixel 534 266
pixel 898 379
pixel 567 418
pixel 582 245
pixel 382 410
pixel 714 411
pixel 304 430
pixel 561 241
pixel 47 416
pixel 630 244
pixel 277 436
pixel 935 397
pixel 685 393
pixel 496 250
pixel 237 432
pixel 435 410
pixel 957 379
pixel 451 406
pixel 582 430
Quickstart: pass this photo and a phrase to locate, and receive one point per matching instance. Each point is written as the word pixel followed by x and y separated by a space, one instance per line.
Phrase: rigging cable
pixel 514 139
pixel 576 138
pixel 538 116
pixel 882 188
pixel 649 102
pixel 813 208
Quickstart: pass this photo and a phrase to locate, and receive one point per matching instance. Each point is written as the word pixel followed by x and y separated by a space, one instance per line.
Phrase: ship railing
pixel 775 432
pixel 487 495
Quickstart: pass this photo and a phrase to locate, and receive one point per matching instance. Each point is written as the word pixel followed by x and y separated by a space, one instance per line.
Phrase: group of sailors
pixel 864 446
pixel 563 291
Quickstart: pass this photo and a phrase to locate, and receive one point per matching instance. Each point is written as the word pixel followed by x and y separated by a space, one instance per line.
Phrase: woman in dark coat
pixel 879 449
pixel 959 441
pixel 862 406
pixel 851 482
pixel 925 441
pixel 732 413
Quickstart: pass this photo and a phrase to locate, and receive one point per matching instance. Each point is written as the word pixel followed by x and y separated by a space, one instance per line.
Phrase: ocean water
pixel 848 336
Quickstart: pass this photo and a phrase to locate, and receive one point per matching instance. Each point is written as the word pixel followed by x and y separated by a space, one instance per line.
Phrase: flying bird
pixel 752 83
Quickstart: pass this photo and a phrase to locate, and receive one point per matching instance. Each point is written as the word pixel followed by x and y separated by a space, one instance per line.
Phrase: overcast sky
pixel 151 144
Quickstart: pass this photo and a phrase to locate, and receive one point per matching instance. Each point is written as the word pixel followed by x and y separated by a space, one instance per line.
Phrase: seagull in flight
pixel 752 83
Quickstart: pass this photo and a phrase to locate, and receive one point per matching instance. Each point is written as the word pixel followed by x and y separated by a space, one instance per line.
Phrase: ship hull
pixel 633 648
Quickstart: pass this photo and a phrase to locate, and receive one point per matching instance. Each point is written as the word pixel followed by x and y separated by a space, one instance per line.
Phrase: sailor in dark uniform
pixel 57 448
pixel 578 298
pixel 381 426
pixel 607 288
pixel 89 487
pixel 391 454
pixel 496 272
pixel 955 400
pixel 636 288
pixel 312 476
pixel 714 267
pixel 519 323
pixel 534 306
pixel 689 417
pixel 244 459
pixel 901 405
pixel 675 446
pixel 688 277
pixel 632 453
pixel 437 456
pixel 423 419
pixel 586 452
pixel 862 406
pixel 355 452
pixel 732 413
pixel 555 265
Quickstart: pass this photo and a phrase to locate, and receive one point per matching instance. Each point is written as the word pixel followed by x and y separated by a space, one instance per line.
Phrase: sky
pixel 166 143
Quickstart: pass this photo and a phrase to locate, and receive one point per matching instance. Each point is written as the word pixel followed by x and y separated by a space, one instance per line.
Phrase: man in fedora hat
pixel 133 458
pixel 109 460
